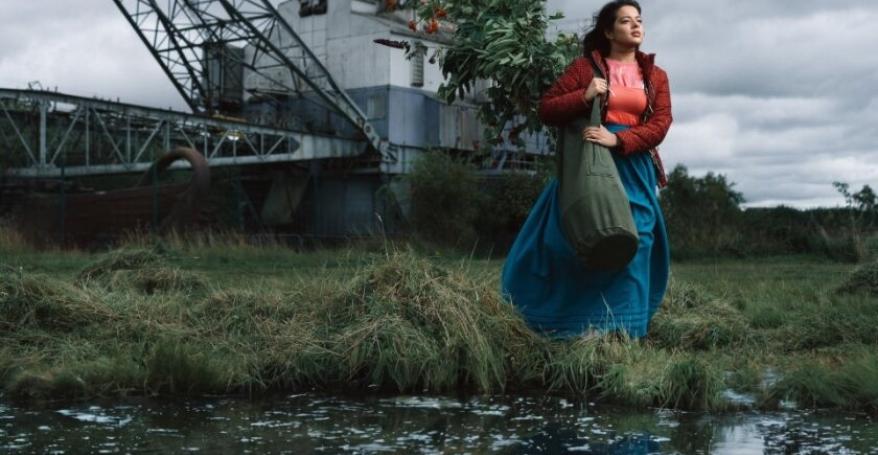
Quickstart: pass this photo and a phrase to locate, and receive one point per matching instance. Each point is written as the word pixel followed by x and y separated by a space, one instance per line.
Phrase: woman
pixel 542 275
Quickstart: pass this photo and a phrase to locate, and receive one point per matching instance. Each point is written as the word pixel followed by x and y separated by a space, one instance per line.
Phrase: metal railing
pixel 41 132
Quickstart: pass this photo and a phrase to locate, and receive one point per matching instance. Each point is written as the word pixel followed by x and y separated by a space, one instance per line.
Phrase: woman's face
pixel 628 28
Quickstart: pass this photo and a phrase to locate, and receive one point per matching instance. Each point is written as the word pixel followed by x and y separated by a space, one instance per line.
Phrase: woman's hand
pixel 600 135
pixel 598 86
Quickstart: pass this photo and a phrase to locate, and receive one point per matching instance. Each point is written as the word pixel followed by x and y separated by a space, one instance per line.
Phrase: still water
pixel 314 423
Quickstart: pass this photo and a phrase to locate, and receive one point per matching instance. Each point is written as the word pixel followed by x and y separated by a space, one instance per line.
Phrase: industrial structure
pixel 312 114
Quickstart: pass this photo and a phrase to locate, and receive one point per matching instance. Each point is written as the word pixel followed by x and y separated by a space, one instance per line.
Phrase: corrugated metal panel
pixel 345 206
pixel 418 119
pixel 407 117
pixel 448 126
pixel 360 206
pixel 329 207
pixel 283 199
pixel 376 105
pixel 225 75
pixel 458 127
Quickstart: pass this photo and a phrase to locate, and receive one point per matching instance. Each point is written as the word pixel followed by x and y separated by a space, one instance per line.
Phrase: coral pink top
pixel 627 96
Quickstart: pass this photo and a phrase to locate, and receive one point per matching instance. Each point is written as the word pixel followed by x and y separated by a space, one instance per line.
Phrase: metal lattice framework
pixel 45 134
pixel 187 37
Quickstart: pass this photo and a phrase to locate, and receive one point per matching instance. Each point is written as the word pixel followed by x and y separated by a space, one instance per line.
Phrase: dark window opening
pixel 311 7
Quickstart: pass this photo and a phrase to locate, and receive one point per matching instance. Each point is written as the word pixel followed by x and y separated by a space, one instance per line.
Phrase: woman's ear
pixel 608 34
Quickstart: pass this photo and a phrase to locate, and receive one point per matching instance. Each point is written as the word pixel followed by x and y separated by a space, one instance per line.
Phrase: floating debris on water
pixel 423 425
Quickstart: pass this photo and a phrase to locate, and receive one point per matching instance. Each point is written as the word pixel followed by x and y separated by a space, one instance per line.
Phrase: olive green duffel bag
pixel 595 213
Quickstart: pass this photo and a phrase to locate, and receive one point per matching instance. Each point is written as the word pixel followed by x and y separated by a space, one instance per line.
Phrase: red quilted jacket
pixel 563 103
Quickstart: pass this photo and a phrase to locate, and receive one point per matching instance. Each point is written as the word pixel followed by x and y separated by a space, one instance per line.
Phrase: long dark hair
pixel 602 22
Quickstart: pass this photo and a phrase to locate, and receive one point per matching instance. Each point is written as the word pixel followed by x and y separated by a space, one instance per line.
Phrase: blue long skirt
pixel 558 296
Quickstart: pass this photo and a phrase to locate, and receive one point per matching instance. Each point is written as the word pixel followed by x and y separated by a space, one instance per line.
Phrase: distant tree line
pixel 453 206
pixel 704 217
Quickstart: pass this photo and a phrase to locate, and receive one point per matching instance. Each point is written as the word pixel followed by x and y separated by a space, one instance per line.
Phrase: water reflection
pixel 311 423
pixel 555 438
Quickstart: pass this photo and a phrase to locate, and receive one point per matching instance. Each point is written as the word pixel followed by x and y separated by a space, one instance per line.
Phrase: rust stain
pixel 96 217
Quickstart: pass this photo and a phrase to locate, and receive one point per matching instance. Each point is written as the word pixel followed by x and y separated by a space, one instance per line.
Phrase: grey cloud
pixel 760 48
pixel 790 157
pixel 768 112
pixel 798 182
pixel 778 95
pixel 87 50
pixel 806 56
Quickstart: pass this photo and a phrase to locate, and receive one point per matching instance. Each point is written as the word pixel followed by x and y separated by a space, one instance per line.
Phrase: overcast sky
pixel 780 96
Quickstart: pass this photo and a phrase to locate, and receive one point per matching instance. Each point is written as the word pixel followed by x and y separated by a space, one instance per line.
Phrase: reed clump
pixel 297 354
pixel 142 269
pixel 409 323
pixel 619 370
pixel 850 383
pixel 159 279
pixel 122 259
pixel 579 366
pixel 174 366
pixel 690 382
pixel 232 311
pixel 692 319
pixel 38 301
pixel 46 384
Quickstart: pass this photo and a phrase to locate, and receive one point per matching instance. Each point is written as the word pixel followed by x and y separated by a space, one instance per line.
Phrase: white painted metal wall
pixel 379 77
pixel 343 40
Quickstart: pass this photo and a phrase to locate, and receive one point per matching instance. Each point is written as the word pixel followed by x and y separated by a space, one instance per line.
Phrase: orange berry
pixel 434 26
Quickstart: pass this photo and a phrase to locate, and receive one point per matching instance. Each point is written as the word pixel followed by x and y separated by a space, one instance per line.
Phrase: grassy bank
pixel 221 316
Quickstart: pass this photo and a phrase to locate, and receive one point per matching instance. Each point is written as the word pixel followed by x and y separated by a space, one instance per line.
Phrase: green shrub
pixel 700 213
pixel 506 205
pixel 863 279
pixel 845 248
pixel 445 199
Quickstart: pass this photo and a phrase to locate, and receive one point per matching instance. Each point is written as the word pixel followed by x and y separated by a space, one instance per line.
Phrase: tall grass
pixel 692 319
pixel 851 384
pixel 400 321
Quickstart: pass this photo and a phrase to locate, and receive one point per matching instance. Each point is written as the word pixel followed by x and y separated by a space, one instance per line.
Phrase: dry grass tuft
pixel 32 300
pixel 124 259
pixel 410 323
pixel 140 269
pixel 692 319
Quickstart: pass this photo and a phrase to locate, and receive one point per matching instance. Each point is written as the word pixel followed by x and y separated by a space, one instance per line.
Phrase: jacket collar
pixel 646 62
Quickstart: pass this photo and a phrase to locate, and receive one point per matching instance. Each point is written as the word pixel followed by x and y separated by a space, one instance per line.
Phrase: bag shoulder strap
pixel 595 115
pixel 599 101
pixel 595 68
